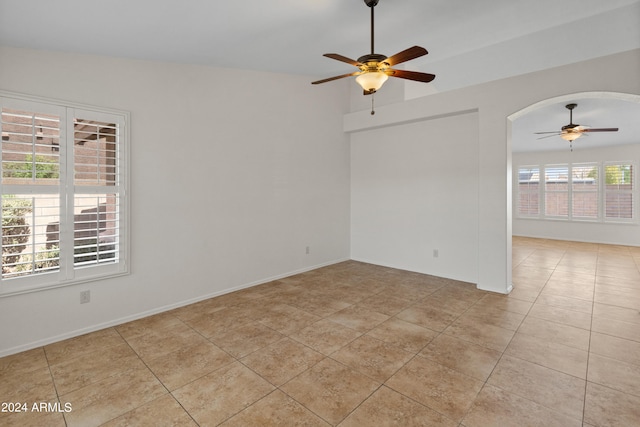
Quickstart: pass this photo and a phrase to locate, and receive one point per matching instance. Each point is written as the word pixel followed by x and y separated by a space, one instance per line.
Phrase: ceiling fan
pixel 374 69
pixel 572 131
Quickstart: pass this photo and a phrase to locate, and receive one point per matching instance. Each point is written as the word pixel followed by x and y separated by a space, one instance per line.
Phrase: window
pixel 529 192
pixel 618 191
pixel 580 192
pixel 584 191
pixel 63 182
pixel 556 191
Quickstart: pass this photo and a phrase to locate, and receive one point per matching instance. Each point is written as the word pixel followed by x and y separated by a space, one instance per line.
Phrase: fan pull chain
pixel 372 110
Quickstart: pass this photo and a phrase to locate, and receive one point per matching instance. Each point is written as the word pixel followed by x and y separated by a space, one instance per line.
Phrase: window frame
pixel 633 192
pixel 601 193
pixel 67 274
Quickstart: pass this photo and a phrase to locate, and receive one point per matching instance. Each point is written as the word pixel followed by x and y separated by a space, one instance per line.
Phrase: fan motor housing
pixel 373 62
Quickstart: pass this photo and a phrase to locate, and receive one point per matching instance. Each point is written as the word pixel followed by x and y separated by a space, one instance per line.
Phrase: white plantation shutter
pixel 63 194
pixel 556 191
pixel 528 191
pixel 619 190
pixel 584 191
pixel 599 192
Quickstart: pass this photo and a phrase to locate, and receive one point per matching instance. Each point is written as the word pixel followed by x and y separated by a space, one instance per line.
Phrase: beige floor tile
pixel 163 411
pixel 23 362
pixel 287 319
pixel 630 331
pixel 349 293
pixel 524 292
pixel 453 302
pixel 359 318
pixel 32 419
pixel 547 387
pixel 405 335
pixel 385 304
pixel 275 410
pixel 615 374
pixel 188 363
pixel 198 309
pixel 617 282
pixel 531 274
pixel 576 319
pixel 573 279
pixel 465 357
pixel 81 371
pixel 495 407
pixel 622 270
pixel 436 386
pixel 575 306
pixel 227 318
pixel 494 316
pixel 565 302
pixel 615 348
pixel 389 408
pixel 427 317
pixel 222 394
pixel 484 334
pixel 151 324
pixel 411 289
pixel 559 288
pixel 157 343
pixel 556 332
pixel 376 359
pixel 105 400
pixel 82 345
pixel 503 302
pixel 619 300
pixel 282 360
pixel 246 339
pixel 613 312
pixel 607 407
pixel 326 336
pixel 569 360
pixel 330 389
pixel 320 304
pixel 33 386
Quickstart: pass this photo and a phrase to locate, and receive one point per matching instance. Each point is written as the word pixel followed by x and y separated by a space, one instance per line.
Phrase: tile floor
pixel 361 345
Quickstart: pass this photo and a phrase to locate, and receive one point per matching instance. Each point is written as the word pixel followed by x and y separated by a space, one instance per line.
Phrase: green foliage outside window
pixel 15 230
pixel 45 167
pixel 617 174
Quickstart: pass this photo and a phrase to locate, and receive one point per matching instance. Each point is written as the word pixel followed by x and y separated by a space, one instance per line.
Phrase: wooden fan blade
pixel 555 131
pixel 410 75
pixel 600 130
pixel 355 73
pixel 342 59
pixel 406 55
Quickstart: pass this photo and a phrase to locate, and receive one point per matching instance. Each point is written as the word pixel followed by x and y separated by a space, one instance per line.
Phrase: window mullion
pixel 66 198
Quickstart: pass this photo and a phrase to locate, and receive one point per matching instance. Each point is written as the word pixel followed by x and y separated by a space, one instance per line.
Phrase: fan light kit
pixel 375 69
pixel 572 131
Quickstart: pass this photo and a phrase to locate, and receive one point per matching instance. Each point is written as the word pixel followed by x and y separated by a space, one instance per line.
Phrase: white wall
pixel 233 174
pixel 414 190
pixel 494 102
pixel 621 234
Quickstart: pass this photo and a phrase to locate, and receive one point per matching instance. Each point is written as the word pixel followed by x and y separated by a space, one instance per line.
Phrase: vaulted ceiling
pixel 469 41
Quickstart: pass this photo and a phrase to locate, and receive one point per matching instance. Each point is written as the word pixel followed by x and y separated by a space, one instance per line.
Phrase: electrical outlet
pixel 307 250
pixel 435 253
pixel 85 297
